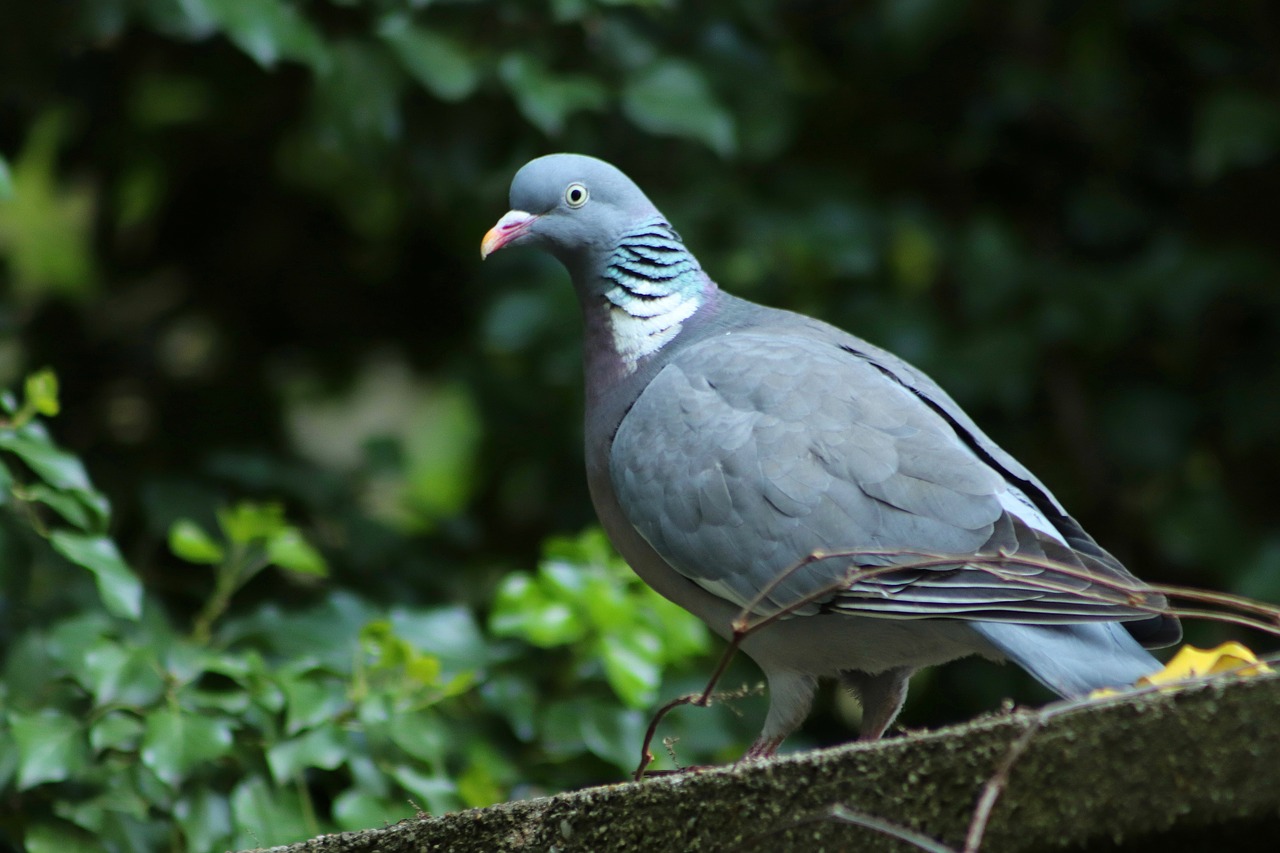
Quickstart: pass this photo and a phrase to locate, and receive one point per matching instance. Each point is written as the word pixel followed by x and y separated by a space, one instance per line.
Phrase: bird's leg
pixel 790 697
pixel 764 747
pixel 881 696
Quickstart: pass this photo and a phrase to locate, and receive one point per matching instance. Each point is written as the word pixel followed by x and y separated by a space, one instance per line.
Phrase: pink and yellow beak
pixel 512 224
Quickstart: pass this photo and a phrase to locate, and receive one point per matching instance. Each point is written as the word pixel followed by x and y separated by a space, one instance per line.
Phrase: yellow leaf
pixel 1191 662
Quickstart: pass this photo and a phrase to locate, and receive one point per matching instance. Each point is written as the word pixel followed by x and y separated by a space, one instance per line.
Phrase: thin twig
pixel 995 787
pixel 646 756
pixel 703 699
pixel 889 828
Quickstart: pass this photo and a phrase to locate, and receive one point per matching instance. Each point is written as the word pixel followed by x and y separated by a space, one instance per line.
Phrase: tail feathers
pixel 1072 660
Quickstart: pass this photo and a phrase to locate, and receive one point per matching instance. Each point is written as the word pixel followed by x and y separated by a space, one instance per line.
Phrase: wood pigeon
pixel 729 446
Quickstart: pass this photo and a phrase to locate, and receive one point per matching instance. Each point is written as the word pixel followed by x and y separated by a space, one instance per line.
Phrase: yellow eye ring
pixel 576 195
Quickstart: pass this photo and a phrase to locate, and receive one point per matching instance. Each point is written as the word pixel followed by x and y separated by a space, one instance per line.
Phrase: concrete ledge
pixel 1190 768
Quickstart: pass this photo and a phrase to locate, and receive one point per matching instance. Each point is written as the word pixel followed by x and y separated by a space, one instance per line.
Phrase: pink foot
pixel 764 747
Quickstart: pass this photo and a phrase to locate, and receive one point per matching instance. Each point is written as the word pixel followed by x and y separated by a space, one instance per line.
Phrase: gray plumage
pixel 727 442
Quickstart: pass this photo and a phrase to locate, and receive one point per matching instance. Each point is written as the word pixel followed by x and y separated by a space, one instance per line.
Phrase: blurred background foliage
pixel 294 534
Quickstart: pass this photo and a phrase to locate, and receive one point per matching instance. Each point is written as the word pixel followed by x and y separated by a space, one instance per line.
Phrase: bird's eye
pixel 575 195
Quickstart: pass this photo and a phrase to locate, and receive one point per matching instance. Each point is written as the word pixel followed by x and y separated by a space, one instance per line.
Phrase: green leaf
pixel 514 699
pixel 116 812
pixel 8 753
pixel 123 675
pixel 265 816
pixel 324 748
pixel 86 510
pixel 270 30
pixel 118 586
pixel 435 795
pixel 56 467
pixel 117 730
pixel 488 775
pixel 357 100
pixel 6 180
pixel 289 550
pixel 46 223
pixel 440 450
pixel 42 391
pixel 51 747
pixel 354 809
pixel 437 61
pixel 450 634
pixel 190 542
pixel 671 97
pixel 633 665
pixel 248 523
pixel 1235 130
pixel 425 739
pixel 913 256
pixel 546 98
pixel 601 728
pixel 312 698
pixel 522 609
pixel 176 743
pixel 611 733
pixel 204 816
pixel 56 836
pixel 684 635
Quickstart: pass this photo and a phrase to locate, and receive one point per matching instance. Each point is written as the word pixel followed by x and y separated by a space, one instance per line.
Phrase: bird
pixel 747 460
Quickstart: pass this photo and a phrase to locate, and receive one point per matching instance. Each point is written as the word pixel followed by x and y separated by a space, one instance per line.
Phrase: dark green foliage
pixel 244 236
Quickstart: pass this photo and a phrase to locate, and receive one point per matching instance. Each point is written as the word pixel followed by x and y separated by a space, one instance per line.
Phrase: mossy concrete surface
pixel 1174 770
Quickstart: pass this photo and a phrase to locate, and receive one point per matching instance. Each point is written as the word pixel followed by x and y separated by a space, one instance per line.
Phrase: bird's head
pixel 570 205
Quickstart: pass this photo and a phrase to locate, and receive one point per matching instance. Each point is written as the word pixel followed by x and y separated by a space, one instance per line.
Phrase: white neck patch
pixel 645 326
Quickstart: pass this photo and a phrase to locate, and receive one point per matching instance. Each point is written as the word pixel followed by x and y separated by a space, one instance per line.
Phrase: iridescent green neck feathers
pixel 656 285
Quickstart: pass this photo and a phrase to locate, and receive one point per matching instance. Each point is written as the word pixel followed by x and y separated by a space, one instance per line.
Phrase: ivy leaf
pixel 270 30
pixel 522 609
pixel 117 584
pixel 56 836
pixel 435 60
pixel 425 740
pixel 355 809
pixel 176 742
pixel 247 522
pixel 205 818
pixel 546 98
pixel 449 633
pixel 671 97
pixel 311 699
pixel 593 725
pixel 323 748
pixel 357 100
pixel 6 180
pixel 46 225
pixel 289 550
pixel 118 730
pixel 436 794
pixel 86 510
pixel 610 732
pixel 633 665
pixel 118 674
pixel 56 467
pixel 266 816
pixel 1234 130
pixel 190 542
pixel 42 392
pixel 51 747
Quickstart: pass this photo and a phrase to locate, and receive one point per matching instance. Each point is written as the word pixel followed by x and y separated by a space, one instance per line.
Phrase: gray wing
pixel 749 451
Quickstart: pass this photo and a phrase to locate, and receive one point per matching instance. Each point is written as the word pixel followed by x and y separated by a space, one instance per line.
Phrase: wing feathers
pixel 750 451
